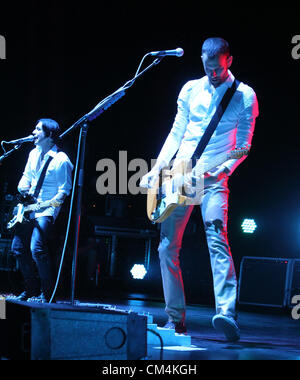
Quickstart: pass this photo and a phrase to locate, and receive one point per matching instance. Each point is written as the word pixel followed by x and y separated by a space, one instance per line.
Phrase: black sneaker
pixel 179 327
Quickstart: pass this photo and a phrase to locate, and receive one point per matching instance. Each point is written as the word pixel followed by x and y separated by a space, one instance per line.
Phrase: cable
pixel 161 342
pixel 2 145
pixel 138 70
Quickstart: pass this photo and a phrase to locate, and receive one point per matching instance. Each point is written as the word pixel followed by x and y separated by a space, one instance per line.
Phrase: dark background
pixel 64 57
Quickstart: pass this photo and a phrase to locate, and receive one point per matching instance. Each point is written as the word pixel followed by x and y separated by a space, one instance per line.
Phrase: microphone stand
pixel 83 124
pixel 6 154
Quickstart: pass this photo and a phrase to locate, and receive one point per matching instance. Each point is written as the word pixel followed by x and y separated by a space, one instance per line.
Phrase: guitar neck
pixel 38 206
pixel 215 162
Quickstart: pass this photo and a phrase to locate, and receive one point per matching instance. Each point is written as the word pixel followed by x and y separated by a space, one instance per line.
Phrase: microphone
pixel 176 52
pixel 29 138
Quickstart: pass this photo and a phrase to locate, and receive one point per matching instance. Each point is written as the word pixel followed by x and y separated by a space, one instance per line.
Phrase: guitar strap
pixel 215 120
pixel 42 177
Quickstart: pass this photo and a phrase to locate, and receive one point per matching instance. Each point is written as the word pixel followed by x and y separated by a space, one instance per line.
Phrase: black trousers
pixel 30 248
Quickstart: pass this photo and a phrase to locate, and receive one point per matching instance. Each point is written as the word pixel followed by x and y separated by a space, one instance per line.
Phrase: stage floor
pixel 265 334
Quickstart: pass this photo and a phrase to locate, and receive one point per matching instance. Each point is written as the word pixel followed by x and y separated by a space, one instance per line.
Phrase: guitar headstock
pixel 55 203
pixel 238 153
pixel 40 205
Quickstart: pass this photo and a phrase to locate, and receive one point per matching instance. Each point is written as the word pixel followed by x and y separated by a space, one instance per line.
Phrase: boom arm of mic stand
pixel 104 105
pixel 110 100
pixel 6 154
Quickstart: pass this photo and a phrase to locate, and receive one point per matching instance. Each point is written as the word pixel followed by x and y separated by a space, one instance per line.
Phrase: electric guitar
pixel 169 190
pixel 21 211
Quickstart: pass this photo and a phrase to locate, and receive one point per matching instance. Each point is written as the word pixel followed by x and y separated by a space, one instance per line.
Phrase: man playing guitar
pixel 197 104
pixel 29 244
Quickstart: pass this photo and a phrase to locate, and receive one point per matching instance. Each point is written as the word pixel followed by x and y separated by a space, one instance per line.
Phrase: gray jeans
pixel 214 210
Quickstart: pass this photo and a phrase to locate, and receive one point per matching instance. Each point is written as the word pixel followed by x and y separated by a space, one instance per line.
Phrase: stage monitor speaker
pixel 59 332
pixel 265 281
pixel 295 285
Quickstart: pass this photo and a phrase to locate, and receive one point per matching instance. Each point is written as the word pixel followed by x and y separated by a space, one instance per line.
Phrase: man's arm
pixel 60 197
pixel 26 180
pixel 64 180
pixel 245 129
pixel 174 138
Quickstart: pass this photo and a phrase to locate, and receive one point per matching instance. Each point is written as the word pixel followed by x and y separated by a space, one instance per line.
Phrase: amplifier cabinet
pixel 295 283
pixel 265 281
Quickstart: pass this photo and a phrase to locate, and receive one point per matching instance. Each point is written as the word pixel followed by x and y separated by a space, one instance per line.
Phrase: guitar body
pixel 19 216
pixel 22 210
pixel 159 210
pixel 17 212
pixel 168 193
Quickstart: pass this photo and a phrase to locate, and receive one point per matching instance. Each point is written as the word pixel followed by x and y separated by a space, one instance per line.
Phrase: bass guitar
pixel 169 192
pixel 21 211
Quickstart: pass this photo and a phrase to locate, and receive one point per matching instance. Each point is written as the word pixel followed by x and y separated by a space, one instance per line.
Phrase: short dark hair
pixel 51 129
pixel 215 46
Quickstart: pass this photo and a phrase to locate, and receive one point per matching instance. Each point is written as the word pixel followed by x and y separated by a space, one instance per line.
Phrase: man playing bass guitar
pixel 29 244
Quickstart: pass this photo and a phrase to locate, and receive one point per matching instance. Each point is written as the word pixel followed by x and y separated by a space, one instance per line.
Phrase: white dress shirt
pixel 197 103
pixel 58 178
